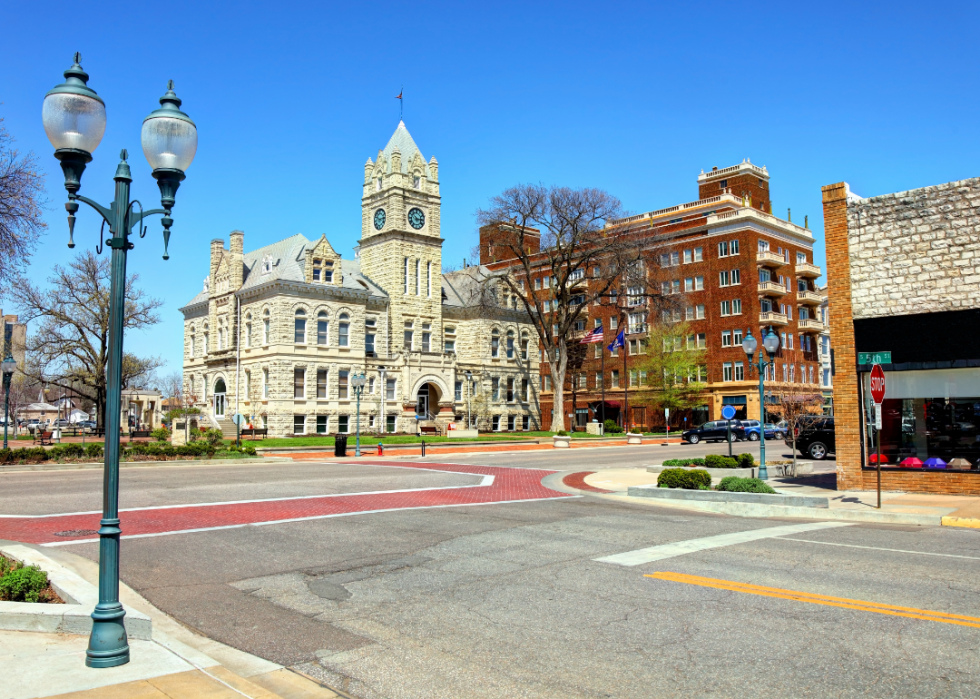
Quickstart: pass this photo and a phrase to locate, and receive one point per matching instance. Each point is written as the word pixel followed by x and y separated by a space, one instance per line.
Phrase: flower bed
pixel 20 583
pixel 138 451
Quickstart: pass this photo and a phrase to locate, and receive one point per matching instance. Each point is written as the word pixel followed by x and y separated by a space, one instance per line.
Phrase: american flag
pixel 593 337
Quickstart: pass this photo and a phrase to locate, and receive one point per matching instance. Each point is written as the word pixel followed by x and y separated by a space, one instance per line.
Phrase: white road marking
pixel 679 548
pixel 878 548
pixel 305 519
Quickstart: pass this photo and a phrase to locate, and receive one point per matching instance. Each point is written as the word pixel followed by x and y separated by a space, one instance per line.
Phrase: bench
pixel 429 430
pixel 138 434
pixel 254 432
pixel 43 437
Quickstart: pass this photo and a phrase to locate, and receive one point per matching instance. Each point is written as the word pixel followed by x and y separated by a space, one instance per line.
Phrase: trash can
pixel 340 445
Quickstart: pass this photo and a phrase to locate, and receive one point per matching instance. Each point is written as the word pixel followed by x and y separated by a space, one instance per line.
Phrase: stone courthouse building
pixel 904 278
pixel 278 333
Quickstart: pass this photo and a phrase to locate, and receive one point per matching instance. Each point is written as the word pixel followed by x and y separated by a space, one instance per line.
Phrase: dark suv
pixel 715 431
pixel 814 437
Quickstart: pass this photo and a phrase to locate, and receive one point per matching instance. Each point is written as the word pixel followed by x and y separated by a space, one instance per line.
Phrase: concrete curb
pixel 766 499
pixel 966 522
pixel 75 616
pixel 44 466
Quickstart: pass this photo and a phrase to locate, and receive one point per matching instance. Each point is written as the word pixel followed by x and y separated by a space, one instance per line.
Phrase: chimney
pixel 217 247
pixel 237 241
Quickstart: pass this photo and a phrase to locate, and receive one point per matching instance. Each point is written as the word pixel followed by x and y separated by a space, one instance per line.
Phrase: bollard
pixel 423 447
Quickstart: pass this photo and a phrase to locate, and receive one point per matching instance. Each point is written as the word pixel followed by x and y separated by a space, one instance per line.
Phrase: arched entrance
pixel 427 401
pixel 218 398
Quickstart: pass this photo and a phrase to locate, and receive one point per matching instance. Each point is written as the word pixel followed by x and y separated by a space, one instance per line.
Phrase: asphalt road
pixel 507 600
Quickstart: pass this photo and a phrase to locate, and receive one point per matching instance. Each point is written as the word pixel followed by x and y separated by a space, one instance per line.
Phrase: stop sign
pixel 877 384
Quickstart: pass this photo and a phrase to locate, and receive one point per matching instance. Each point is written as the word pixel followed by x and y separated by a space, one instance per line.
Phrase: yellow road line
pixel 813 598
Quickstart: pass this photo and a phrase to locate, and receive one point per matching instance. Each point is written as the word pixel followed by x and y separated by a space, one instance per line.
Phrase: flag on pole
pixel 400 94
pixel 620 341
pixel 593 337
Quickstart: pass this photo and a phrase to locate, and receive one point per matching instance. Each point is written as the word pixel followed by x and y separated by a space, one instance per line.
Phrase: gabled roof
pixel 462 287
pixel 403 140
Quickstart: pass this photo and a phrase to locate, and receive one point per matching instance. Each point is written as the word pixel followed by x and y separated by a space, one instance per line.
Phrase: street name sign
pixel 875 357
pixel 877 384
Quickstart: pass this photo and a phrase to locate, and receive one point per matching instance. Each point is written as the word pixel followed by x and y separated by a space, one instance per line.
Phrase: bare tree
pixel 795 405
pixel 564 233
pixel 21 204
pixel 70 345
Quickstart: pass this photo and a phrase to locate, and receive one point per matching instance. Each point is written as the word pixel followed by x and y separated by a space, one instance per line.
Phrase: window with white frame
pixel 265 383
pixel 723 249
pixel 702 340
pixel 688 257
pixel 736 307
pixel 299 424
pixel 449 343
pixel 699 312
pixel 726 308
pixel 724 278
pixel 698 254
pixel 737 338
pixel 495 343
pixel 409 336
pixel 726 338
pixel 370 333
pixel 426 336
pixel 322 424
pixel 321 383
pixel 635 296
pixel 526 343
pixel 726 371
pixel 389 389
pixel 495 423
pixel 739 371
pixel 343 330
pixel 343 384
pixel 733 248
pixel 322 328
pixel 511 421
pixel 265 327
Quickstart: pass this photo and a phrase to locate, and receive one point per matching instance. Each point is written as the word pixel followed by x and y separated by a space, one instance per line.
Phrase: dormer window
pixel 417 182
pixel 266 264
pixel 316 270
pixel 328 272
pixel 378 183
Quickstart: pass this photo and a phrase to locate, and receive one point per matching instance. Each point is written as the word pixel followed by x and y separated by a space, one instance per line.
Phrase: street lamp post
pixel 382 373
pixel 469 392
pixel 771 345
pixel 9 366
pixel 74 120
pixel 358 382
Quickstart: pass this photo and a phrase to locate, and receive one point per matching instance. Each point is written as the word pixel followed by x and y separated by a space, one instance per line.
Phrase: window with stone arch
pixel 495 343
pixel 265 327
pixel 525 343
pixel 343 330
pixel 248 329
pixel 207 336
pixel 193 342
pixel 299 334
pixel 510 344
pixel 322 328
pixel 417 180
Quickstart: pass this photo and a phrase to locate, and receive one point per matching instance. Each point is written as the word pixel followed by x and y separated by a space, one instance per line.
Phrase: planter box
pixel 715 472
pixel 634 438
pixel 75 616
pixel 561 442
pixel 652 491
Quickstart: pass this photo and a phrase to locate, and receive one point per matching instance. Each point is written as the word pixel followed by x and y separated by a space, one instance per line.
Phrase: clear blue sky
pixel 291 98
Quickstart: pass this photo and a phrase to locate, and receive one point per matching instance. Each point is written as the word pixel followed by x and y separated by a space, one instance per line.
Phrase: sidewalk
pixel 176 663
pixel 860 505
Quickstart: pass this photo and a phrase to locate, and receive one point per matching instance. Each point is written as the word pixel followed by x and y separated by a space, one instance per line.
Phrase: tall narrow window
pixel 450 339
pixel 510 344
pixel 193 342
pixel 343 330
pixel 370 328
pixel 322 328
pixel 342 385
pixel 426 336
pixel 406 275
pixel 299 383
pixel 428 279
pixel 418 277
pixel 525 343
pixel 409 334
pixel 390 389
pixel 510 390
pixel 300 327
pixel 495 343
pixel 316 270
pixel 265 383
pixel 321 383
pixel 265 327
pixel 248 330
pixel 495 388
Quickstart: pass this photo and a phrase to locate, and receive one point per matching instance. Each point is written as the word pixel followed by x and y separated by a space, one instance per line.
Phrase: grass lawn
pixel 327 440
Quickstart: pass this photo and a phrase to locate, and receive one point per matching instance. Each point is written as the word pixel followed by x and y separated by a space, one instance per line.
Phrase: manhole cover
pixel 76 532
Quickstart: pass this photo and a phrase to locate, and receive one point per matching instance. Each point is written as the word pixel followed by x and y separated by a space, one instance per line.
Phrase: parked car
pixel 814 437
pixel 752 428
pixel 62 423
pixel 87 424
pixel 714 431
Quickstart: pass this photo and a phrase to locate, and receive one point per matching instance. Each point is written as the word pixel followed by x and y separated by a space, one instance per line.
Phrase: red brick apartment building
pixel 735 267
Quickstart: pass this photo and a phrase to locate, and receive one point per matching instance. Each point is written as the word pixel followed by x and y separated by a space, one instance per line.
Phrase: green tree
pixel 675 368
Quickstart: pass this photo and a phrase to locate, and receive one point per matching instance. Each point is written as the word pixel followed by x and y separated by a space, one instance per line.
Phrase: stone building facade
pixel 903 274
pixel 278 333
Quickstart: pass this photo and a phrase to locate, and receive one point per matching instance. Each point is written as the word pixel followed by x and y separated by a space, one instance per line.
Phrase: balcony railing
pixel 773 318
pixel 805 269
pixel 810 297
pixel 810 324
pixel 770 258
pixel 771 289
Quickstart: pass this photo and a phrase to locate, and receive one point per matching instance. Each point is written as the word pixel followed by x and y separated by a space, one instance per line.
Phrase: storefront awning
pixel 610 403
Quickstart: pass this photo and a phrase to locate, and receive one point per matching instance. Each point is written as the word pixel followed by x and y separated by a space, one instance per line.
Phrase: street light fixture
pixel 9 366
pixel 469 392
pixel 771 344
pixel 74 119
pixel 358 382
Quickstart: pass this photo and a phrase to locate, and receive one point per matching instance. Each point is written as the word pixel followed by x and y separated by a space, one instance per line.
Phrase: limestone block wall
pixel 916 251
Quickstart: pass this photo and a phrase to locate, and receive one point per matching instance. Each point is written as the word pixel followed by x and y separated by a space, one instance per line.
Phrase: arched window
pixel 417 180
pixel 524 345
pixel 265 327
pixel 248 330
pixel 299 336
pixel 193 342
pixel 322 328
pixel 343 330
pixel 510 344
pixel 495 343
pixel 207 336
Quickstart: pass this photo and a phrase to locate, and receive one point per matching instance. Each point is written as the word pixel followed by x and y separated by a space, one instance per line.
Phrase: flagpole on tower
pixel 401 104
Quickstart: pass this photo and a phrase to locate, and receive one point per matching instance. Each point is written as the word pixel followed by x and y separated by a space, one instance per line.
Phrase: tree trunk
pixel 794 453
pixel 558 381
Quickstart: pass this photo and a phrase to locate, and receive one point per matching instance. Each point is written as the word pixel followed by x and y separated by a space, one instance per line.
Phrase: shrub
pixel 22 584
pixel 734 484
pixel 161 434
pixel 195 434
pixel 745 460
pixel 94 451
pixel 611 427
pixel 698 461
pixel 684 478
pixel 6 456
pixel 561 433
pixel 74 450
pixel 212 437
pixel 720 461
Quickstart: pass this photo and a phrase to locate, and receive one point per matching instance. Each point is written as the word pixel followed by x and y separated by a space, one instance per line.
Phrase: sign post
pixel 667 422
pixel 238 419
pixel 878 395
pixel 728 412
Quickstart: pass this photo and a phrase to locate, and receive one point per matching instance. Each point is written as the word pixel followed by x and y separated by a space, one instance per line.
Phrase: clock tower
pixel 401 246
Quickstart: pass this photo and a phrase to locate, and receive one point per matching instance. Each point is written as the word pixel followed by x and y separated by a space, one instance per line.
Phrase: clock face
pixel 379 219
pixel 416 218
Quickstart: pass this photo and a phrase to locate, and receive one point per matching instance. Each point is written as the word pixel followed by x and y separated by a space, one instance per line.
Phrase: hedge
pixel 684 462
pixel 734 484
pixel 96 451
pixel 688 479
